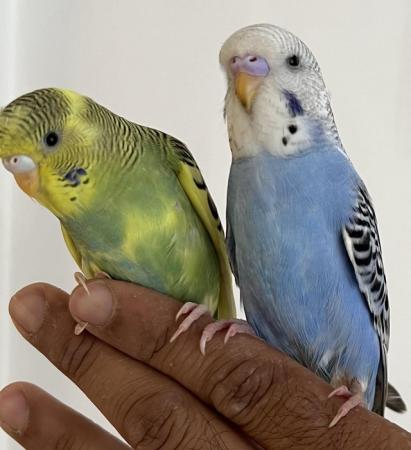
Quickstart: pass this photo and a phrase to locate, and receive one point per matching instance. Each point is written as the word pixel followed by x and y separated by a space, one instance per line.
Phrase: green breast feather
pixel 155 224
pixel 131 200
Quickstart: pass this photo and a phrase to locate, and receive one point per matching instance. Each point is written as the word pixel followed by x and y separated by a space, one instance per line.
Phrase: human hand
pixel 159 394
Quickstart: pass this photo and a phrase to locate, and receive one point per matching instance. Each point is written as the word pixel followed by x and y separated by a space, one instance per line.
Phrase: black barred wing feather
pixel 364 249
pixel 231 252
pixel 362 242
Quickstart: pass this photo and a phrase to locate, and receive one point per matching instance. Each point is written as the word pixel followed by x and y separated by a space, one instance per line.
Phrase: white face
pixel 275 92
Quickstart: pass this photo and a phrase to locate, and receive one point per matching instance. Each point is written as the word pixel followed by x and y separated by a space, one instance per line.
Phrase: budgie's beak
pixel 246 87
pixel 28 182
pixel 25 172
pixel 249 72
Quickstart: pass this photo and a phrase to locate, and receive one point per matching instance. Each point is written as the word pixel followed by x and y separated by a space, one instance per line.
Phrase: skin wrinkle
pixel 250 387
pixel 218 363
pixel 301 412
pixel 152 433
pixel 74 360
pixel 67 442
pixel 154 422
pixel 240 403
pixel 270 417
pixel 177 443
pixel 236 381
pixel 268 413
pixel 301 435
pixel 233 379
pixel 183 437
pixel 158 411
pixel 213 440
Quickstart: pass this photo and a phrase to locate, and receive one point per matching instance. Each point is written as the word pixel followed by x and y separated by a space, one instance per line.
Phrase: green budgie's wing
pixel 192 182
pixel 72 248
pixel 88 271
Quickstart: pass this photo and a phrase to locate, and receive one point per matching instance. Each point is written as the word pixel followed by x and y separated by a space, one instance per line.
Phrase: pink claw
pixel 233 326
pixel 352 401
pixel 102 275
pixel 194 312
pixel 80 327
pixel 341 391
pixel 81 280
pixel 185 309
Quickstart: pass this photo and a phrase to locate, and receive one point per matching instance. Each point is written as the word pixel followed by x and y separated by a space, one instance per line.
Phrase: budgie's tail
pixel 394 400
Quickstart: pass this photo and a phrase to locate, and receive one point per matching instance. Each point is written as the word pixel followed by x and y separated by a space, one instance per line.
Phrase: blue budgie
pixel 301 229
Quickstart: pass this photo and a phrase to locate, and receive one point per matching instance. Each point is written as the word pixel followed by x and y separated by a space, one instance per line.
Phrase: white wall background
pixel 156 62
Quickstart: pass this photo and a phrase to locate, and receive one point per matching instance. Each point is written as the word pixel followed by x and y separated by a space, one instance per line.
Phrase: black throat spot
pixel 73 176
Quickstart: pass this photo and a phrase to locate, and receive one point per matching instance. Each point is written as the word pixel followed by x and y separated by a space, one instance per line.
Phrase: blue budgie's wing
pixel 364 250
pixel 231 251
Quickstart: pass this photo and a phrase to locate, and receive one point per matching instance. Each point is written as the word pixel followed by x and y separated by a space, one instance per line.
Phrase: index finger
pixel 274 400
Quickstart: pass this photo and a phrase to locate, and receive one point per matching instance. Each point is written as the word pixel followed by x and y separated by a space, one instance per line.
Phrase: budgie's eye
pixel 293 61
pixel 51 139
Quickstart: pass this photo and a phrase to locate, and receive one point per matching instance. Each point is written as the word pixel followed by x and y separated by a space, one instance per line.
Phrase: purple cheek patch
pixel 250 64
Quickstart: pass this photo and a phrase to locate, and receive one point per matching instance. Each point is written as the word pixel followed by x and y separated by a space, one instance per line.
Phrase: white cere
pixel 19 164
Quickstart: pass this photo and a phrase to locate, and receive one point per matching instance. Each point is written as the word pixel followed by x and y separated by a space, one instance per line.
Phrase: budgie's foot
pixel 194 311
pixel 102 275
pixel 352 401
pixel 233 327
pixel 81 280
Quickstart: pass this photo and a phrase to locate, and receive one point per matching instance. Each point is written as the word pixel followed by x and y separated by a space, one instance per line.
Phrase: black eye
pixel 51 139
pixel 293 61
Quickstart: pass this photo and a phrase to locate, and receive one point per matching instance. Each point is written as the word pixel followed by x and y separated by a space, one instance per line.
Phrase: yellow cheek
pixel 60 198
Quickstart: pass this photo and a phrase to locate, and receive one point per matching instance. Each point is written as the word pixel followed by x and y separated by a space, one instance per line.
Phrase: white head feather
pixel 265 126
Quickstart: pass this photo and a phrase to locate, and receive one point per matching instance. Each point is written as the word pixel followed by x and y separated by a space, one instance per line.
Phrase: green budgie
pixel 130 199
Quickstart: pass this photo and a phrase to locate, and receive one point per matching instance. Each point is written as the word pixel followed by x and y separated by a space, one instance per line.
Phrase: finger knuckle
pixel 238 390
pixel 156 420
pixel 78 356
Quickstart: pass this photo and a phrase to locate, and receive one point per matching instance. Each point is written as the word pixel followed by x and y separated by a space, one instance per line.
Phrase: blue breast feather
pixel 299 291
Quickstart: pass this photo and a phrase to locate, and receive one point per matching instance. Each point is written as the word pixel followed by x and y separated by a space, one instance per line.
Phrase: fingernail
pixel 14 411
pixel 95 308
pixel 28 311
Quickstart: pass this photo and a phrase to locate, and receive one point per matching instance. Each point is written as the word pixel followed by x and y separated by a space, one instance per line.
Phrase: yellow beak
pixel 28 182
pixel 246 87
